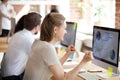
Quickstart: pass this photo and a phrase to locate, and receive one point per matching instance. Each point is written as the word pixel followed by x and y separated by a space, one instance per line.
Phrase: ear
pixel 55 29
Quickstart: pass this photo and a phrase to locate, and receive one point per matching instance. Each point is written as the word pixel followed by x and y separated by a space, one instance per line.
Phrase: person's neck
pixel 52 42
pixel 33 32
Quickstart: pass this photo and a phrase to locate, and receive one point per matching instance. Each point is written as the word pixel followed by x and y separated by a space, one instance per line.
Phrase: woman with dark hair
pixel 20 24
pixel 43 63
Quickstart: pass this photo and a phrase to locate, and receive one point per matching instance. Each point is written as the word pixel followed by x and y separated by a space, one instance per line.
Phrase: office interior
pixel 86 13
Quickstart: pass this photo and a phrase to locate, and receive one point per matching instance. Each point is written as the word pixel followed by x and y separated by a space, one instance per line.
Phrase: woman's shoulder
pixel 42 44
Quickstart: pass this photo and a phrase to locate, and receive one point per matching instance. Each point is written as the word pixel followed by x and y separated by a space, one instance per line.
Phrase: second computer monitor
pixel 70 36
pixel 106 47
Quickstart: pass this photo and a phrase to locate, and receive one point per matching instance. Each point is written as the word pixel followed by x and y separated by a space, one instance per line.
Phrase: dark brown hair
pixel 20 24
pixel 54 9
pixel 31 20
pixel 50 21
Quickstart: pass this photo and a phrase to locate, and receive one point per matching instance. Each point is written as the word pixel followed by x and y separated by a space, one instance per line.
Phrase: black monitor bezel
pixel 109 29
pixel 67 22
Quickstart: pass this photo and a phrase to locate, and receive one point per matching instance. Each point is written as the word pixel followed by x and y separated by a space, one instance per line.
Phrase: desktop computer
pixel 70 36
pixel 106 49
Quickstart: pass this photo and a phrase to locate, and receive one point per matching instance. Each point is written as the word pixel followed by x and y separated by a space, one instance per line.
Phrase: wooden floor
pixel 3 44
pixel 3 47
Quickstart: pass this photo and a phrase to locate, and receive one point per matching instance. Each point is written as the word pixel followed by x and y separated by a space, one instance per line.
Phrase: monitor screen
pixel 106 47
pixel 70 36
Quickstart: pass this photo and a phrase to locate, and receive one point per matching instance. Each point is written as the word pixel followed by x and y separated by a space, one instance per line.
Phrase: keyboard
pixel 88 76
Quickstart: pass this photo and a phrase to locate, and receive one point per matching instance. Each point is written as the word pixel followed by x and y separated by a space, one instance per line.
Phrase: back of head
pixel 47 27
pixel 31 20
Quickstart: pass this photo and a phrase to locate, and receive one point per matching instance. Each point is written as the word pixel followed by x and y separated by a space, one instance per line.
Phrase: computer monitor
pixel 106 48
pixel 70 36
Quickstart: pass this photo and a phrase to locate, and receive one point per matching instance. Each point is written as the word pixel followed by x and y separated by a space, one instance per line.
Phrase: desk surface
pixel 90 66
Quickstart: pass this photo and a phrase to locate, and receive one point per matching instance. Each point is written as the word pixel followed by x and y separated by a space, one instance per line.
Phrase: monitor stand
pixel 105 75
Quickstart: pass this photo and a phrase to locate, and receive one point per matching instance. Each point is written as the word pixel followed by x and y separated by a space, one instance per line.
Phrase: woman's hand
pixel 87 57
pixel 71 49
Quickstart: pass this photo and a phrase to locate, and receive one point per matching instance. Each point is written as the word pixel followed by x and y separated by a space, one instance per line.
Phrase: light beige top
pixel 42 56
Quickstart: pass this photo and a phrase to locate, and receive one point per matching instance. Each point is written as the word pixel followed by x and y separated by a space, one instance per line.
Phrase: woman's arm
pixel 71 50
pixel 58 72
pixel 71 74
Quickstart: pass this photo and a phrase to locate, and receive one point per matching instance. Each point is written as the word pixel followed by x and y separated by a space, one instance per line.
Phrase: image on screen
pixel 106 45
pixel 70 36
